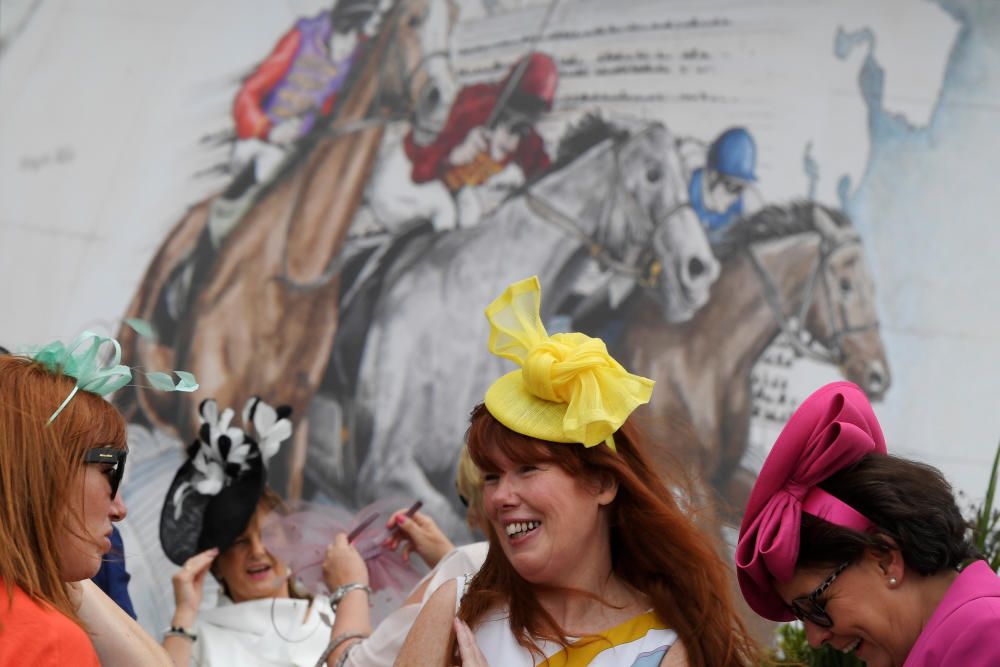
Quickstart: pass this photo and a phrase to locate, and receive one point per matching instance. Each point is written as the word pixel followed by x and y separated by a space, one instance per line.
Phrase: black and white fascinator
pixel 215 493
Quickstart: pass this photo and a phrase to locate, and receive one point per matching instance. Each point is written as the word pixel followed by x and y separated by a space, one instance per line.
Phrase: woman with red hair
pixel 590 561
pixel 62 456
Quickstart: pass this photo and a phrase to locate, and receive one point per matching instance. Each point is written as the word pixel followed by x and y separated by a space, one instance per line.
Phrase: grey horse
pixel 609 218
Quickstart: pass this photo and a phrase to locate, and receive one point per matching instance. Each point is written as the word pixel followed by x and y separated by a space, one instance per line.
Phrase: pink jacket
pixel 965 628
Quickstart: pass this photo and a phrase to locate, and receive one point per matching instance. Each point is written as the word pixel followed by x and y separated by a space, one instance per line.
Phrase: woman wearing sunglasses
pixel 869 551
pixel 62 456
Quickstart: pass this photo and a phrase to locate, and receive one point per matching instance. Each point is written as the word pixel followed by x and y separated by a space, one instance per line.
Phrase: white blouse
pixel 274 632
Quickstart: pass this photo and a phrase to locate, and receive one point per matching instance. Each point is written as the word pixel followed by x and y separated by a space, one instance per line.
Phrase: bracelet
pixel 177 631
pixel 342 660
pixel 340 591
pixel 337 641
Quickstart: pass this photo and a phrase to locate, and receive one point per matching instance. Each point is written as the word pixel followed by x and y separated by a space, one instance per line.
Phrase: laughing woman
pixel 869 551
pixel 590 559
pixel 211 523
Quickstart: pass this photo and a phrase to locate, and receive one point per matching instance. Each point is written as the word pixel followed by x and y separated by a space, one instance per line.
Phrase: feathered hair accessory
pixel 568 389
pixel 81 360
pixel 215 493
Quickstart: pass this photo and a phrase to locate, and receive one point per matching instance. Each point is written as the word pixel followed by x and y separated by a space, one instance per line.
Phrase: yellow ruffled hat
pixel 568 389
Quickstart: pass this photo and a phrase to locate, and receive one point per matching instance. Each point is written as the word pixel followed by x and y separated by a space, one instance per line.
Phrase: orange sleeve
pixel 251 121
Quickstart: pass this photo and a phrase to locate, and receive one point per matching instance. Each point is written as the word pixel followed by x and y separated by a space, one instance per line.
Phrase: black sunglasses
pixel 809 608
pixel 112 456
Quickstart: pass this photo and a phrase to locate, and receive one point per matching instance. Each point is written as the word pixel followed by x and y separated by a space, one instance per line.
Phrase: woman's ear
pixel 888 563
pixel 607 490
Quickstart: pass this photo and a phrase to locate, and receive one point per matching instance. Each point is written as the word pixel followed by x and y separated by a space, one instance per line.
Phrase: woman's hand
pixel 189 585
pixel 468 649
pixel 419 534
pixel 343 564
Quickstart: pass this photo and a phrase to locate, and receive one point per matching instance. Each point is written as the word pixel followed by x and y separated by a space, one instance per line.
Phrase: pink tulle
pixel 299 538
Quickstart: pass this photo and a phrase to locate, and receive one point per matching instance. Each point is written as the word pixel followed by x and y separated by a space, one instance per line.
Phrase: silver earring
pixel 892 581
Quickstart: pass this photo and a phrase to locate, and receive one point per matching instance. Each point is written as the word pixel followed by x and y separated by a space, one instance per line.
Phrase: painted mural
pixel 338 269
pixel 714 190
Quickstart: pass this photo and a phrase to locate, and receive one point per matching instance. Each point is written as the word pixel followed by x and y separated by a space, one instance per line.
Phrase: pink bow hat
pixel 833 429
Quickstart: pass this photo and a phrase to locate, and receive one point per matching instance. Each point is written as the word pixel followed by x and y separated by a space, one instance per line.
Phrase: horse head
pixel 416 70
pixel 679 267
pixel 841 316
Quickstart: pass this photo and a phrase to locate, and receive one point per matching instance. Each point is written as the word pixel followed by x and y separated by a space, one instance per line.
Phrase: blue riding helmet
pixel 734 154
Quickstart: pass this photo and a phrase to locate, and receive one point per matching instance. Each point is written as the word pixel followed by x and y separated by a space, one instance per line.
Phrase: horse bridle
pixel 409 73
pixel 406 83
pixel 830 350
pixel 647 268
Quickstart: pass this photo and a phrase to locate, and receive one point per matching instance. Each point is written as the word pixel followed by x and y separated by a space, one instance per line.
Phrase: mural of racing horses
pixel 263 319
pixel 797 269
pixel 618 203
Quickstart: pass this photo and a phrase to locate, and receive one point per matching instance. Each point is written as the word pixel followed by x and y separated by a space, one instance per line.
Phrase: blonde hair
pixel 40 468
pixel 469 481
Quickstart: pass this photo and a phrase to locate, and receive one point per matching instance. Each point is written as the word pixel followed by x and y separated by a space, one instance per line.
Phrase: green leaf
pixel 985 519
pixel 160 381
pixel 188 381
pixel 141 327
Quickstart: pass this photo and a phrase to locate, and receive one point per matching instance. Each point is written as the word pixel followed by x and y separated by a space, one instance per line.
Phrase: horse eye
pixel 654 174
pixel 845 285
pixel 415 20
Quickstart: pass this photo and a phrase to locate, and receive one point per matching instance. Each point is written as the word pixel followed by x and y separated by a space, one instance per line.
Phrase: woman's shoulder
pixel 34 634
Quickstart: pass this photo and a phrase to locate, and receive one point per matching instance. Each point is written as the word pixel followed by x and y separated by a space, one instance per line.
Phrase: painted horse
pixel 797 270
pixel 618 203
pixel 263 318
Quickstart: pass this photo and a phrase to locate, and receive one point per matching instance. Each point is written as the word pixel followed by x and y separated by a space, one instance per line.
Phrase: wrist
pixel 184 618
pixel 180 631
pixel 340 593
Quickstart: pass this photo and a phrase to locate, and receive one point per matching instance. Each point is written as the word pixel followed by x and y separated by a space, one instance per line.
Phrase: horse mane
pixel 591 130
pixel 775 221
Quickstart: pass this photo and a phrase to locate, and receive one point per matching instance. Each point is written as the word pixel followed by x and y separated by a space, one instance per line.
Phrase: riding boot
pixel 226 210
pixel 224 213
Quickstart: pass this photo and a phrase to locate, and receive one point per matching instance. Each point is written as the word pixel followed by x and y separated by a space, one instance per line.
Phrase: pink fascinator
pixel 833 429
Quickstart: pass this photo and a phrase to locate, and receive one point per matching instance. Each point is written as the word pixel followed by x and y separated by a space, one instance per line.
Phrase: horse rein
pixel 831 350
pixel 645 273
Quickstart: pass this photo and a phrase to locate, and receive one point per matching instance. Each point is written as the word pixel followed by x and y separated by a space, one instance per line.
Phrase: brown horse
pixel 797 269
pixel 263 319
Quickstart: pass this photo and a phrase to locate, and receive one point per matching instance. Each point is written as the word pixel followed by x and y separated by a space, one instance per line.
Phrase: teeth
pixel 853 645
pixel 520 527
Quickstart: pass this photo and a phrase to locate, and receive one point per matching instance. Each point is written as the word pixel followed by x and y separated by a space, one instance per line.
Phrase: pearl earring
pixel 892 581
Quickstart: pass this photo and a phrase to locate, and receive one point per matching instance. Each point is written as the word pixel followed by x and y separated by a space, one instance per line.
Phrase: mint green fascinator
pixel 101 374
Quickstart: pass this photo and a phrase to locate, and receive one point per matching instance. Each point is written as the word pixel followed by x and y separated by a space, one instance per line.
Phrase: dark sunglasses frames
pixel 809 608
pixel 112 456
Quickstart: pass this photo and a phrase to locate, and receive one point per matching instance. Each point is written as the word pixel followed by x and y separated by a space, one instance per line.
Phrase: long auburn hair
pixel 41 465
pixel 655 548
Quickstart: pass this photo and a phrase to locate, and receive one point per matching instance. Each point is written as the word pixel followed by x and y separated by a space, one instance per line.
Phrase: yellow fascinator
pixel 569 389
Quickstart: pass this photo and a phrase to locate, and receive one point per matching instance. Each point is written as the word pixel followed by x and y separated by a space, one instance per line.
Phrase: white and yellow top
pixel 641 641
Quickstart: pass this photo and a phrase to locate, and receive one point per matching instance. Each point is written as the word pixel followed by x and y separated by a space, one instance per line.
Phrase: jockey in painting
pixel 280 102
pixel 490 133
pixel 277 105
pixel 718 190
